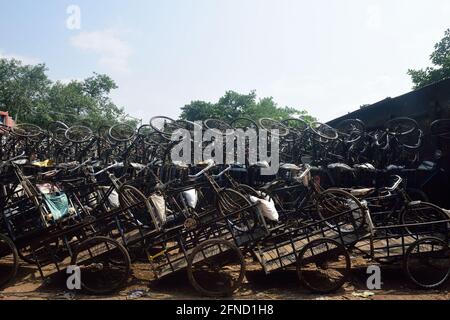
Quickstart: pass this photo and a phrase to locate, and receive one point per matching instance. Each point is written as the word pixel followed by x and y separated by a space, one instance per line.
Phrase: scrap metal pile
pixel 103 200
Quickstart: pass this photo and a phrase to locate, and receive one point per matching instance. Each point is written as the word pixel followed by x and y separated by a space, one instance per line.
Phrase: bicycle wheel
pixel 244 123
pixel 216 268
pixel 79 134
pixel 351 130
pixel 163 125
pixel 351 214
pixel 138 205
pixel 416 213
pixel 26 130
pixel 296 124
pixel 9 260
pixel 324 131
pixel 57 130
pixel 402 126
pixel 145 130
pixel 188 125
pixel 441 128
pixel 104 264
pixel 232 204
pixel 427 262
pixel 122 132
pixel 217 124
pixel 323 265
pixel 270 124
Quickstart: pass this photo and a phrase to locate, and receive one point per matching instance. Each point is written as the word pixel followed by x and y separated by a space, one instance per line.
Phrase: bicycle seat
pixel 268 185
pixel 427 166
pixel 340 166
pixel 394 168
pixel 361 192
pixel 179 164
pixel 262 164
pixel 290 167
pixel 366 166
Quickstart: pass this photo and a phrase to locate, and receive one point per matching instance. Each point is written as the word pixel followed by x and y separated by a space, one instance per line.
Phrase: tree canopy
pixel 235 105
pixel 30 96
pixel 440 59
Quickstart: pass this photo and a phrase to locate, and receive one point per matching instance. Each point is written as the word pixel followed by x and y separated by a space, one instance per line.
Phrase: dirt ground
pixel 257 286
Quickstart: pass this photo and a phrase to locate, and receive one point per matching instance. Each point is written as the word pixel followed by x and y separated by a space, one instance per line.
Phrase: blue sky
pixel 327 56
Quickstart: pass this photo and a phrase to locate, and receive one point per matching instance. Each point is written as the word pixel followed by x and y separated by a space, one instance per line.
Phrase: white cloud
pixel 113 51
pixel 24 59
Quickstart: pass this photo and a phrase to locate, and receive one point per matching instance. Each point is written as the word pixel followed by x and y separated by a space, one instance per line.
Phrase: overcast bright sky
pixel 328 57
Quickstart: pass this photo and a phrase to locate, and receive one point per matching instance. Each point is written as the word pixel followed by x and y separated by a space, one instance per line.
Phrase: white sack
pixel 160 205
pixel 191 197
pixel 267 208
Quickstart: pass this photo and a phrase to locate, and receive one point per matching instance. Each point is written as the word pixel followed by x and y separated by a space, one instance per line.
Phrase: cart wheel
pixel 216 268
pixel 9 260
pixel 427 262
pixel 104 264
pixel 323 265
pixel 335 202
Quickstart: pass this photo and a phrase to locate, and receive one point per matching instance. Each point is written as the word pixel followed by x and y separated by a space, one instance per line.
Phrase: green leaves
pixel 30 96
pixel 235 105
pixel 441 61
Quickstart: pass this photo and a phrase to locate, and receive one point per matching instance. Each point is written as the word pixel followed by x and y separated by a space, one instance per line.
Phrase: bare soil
pixel 282 285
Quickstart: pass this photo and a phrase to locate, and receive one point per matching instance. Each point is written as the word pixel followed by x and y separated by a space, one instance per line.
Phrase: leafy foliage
pixel 441 61
pixel 234 105
pixel 30 96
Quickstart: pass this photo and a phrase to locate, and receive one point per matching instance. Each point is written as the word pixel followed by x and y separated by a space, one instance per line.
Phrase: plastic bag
pixel 160 205
pixel 267 207
pixel 58 204
pixel 191 197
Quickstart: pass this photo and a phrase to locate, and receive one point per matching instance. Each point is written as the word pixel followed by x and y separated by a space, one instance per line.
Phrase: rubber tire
pixel 121 248
pixel 347 269
pixel 15 254
pixel 205 292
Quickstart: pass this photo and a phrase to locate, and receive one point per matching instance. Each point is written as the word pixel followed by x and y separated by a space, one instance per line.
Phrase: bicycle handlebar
pixel 397 183
pixel 222 173
pixel 211 165
pixel 116 165
pixel 21 156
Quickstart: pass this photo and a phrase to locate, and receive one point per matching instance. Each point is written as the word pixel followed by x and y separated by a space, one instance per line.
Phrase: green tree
pixel 22 88
pixel 30 96
pixel 440 58
pixel 234 105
